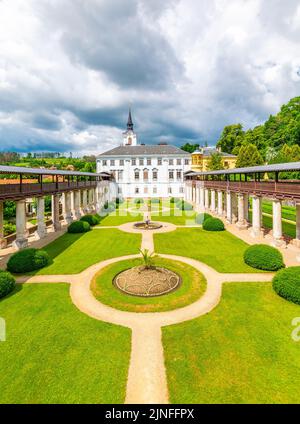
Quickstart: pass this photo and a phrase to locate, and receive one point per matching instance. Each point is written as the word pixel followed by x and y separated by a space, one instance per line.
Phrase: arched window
pixel 154 174
pixel 146 174
pixel 136 174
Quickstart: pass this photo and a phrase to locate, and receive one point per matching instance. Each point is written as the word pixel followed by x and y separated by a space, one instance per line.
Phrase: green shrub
pixel 9 228
pixel 79 227
pixel 7 283
pixel 213 224
pixel 286 283
pixel 27 260
pixel 91 219
pixel 264 257
pixel 201 217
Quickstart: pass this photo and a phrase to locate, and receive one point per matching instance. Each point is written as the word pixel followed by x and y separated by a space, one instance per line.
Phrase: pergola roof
pixel 279 167
pixel 44 171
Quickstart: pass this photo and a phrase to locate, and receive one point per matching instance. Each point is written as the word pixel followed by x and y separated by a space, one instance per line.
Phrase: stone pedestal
pixel 67 214
pixel 75 196
pixel 255 230
pixel 229 207
pixel 21 241
pixel 41 231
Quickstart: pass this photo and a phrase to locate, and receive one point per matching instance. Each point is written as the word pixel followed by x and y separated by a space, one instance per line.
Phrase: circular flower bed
pixel 79 227
pixel 213 224
pixel 7 283
pixel 286 283
pixel 263 257
pixel 191 288
pixel 27 260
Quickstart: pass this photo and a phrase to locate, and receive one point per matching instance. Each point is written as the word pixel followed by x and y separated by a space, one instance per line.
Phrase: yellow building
pixel 200 159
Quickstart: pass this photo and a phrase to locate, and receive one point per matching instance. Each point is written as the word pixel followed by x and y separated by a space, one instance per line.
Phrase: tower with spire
pixel 130 138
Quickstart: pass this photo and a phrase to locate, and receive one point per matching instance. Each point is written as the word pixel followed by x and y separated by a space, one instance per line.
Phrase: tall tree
pixel 231 137
pixel 249 156
pixel 215 162
pixel 190 148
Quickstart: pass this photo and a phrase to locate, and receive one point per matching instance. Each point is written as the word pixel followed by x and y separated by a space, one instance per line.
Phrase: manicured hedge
pixel 79 227
pixel 91 219
pixel 7 283
pixel 27 260
pixel 264 257
pixel 213 224
pixel 201 217
pixel 286 283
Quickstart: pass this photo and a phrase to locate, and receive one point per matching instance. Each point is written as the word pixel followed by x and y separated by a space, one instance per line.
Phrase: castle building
pixel 201 158
pixel 145 170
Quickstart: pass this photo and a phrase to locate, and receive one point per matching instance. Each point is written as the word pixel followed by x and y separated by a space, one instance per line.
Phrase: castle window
pixel 146 174
pixel 171 162
pixel 159 161
pixel 112 162
pixel 154 190
pixel 154 174
pixel 133 162
pixel 136 174
pixel 170 190
pixel 171 175
pixel 104 163
pixel 179 175
pixel 178 161
pixel 122 162
pixel 149 162
pixel 129 141
pixel 186 161
pixel 141 162
pixel 137 190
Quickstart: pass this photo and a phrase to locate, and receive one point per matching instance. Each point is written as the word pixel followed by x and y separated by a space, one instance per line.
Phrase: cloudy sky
pixel 70 68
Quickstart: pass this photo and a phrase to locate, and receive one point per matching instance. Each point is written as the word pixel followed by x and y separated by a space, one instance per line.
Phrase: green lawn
pixel 241 352
pixel 72 253
pixel 55 354
pixel 288 212
pixel 175 216
pixel 220 250
pixel 121 217
pixel 193 286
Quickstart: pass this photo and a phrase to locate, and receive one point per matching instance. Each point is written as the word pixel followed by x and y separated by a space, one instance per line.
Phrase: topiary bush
pixel 27 260
pixel 263 257
pixel 79 227
pixel 7 283
pixel 91 219
pixel 213 224
pixel 201 217
pixel 286 284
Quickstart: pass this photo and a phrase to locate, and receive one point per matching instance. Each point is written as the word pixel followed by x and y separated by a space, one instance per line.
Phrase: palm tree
pixel 148 258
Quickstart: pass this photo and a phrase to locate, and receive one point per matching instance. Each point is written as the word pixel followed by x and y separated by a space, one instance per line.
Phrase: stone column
pixel 21 240
pixel 256 230
pixel 296 241
pixel 85 202
pixel 197 196
pixel 3 241
pixel 206 199
pixel 220 203
pixel 246 209
pixel 229 207
pixel 92 200
pixel 55 212
pixel 75 204
pixel 201 201
pixel 41 231
pixel 234 207
pixel 67 214
pixel 277 224
pixel 213 201
pixel 241 223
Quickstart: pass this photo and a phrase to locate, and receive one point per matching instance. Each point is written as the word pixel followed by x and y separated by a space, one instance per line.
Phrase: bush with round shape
pixel 91 219
pixel 261 256
pixel 213 224
pixel 27 260
pixel 201 217
pixel 7 283
pixel 286 284
pixel 79 227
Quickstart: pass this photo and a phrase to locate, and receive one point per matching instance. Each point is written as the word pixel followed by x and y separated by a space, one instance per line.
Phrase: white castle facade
pixel 145 170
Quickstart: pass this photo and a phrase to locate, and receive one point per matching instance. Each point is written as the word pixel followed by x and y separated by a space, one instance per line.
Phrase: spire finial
pixel 129 122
